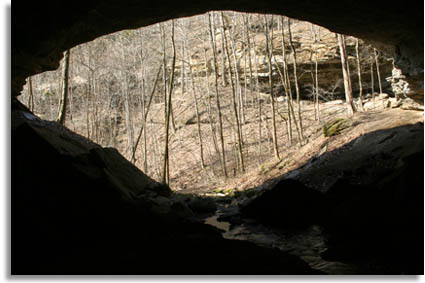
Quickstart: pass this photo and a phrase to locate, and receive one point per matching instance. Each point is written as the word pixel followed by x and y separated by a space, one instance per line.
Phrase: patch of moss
pixel 263 169
pixel 334 127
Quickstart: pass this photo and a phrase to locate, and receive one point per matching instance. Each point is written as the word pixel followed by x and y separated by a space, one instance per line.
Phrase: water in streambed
pixel 306 244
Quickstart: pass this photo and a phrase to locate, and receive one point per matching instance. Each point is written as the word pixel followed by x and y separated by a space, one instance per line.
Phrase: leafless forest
pixel 197 101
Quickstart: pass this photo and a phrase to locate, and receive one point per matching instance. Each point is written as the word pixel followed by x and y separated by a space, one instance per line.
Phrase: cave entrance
pixel 108 101
pixel 118 80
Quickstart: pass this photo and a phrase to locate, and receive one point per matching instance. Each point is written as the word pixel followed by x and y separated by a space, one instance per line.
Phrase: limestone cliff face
pixel 324 49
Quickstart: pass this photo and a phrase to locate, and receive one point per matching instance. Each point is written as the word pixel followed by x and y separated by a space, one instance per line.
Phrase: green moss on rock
pixel 334 127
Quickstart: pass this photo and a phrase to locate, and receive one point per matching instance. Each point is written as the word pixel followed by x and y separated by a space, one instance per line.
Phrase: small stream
pixel 306 244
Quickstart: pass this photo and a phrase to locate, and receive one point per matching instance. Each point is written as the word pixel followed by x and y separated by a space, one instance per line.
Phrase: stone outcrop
pixel 325 50
pixel 43 31
pixel 382 220
pixel 289 204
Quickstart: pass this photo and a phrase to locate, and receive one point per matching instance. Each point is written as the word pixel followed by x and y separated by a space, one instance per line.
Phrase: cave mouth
pixel 126 67
pixel 90 211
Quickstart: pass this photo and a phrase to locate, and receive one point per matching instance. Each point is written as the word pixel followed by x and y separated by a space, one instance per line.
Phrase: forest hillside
pixel 209 101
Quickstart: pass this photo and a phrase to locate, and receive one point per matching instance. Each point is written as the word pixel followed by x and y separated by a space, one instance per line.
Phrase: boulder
pixel 382 221
pixel 202 205
pixel 289 204
pixel 410 104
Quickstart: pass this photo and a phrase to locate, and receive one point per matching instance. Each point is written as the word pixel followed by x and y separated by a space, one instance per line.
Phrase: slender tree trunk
pixel 95 128
pixel 164 75
pixel 289 100
pixel 143 108
pixel 377 69
pixel 313 82
pixel 64 97
pixel 235 110
pixel 209 103
pixel 88 89
pixel 164 69
pixel 249 58
pixel 155 149
pixel 359 74
pixel 269 53
pixel 259 106
pixel 315 78
pixel 346 76
pixel 245 89
pixel 198 120
pixel 126 91
pixel 166 166
pixel 291 111
pixel 30 95
pixel 372 81
pixel 183 56
pixel 71 105
pixel 316 104
pixel 145 139
pixel 223 61
pixel 287 121
pixel 238 79
pixel 297 89
pixel 147 108
pixel 286 83
pixel 238 88
pixel 378 73
pixel 220 119
pixel 348 69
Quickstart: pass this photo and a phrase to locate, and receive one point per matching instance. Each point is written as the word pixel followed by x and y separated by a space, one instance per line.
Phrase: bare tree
pixel 238 88
pixel 297 89
pixel 269 54
pixel 291 112
pixel 183 55
pixel 209 103
pixel 372 80
pixel 30 102
pixel 146 112
pixel 126 90
pixel 198 120
pixel 166 166
pixel 376 53
pixel 259 106
pixel 220 119
pixel 235 110
pixel 223 61
pixel 347 85
pixel 315 78
pixel 64 97
pixel 359 74
pixel 286 83
pixel 248 44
